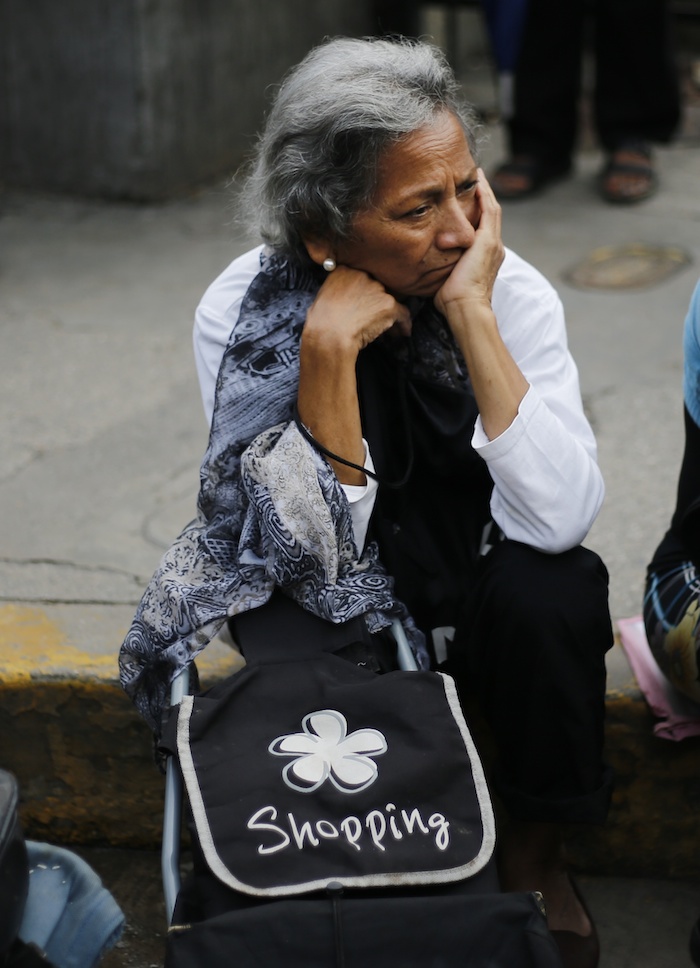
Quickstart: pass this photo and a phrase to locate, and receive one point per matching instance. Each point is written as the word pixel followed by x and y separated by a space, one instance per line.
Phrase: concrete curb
pixel 85 763
pixel 652 826
pixel 83 756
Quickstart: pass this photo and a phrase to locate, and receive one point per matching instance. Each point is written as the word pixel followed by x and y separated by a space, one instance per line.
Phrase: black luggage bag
pixel 340 817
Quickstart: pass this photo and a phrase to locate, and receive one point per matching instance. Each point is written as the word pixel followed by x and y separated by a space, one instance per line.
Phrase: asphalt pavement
pixel 103 429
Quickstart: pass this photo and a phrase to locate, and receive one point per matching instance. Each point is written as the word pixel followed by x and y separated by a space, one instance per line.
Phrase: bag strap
pixel 281 630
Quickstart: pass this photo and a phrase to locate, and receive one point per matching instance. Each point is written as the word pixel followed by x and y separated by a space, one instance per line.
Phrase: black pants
pixel 530 645
pixel 636 79
pixel 397 17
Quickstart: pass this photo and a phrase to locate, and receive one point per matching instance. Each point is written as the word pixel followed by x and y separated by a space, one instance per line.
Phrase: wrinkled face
pixel 423 214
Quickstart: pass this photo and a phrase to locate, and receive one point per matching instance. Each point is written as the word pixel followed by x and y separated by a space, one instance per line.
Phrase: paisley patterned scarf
pixel 271 512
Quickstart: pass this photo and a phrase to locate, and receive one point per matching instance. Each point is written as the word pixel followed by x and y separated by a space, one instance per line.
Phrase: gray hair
pixel 334 114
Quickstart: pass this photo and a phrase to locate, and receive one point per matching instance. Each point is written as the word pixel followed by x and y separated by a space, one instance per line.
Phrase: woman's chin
pixel 430 289
pixel 422 289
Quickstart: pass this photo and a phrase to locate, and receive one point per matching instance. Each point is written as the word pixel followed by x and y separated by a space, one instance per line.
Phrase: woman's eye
pixel 418 212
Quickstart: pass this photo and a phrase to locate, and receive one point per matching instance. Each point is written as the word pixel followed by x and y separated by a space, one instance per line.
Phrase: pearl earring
pixel 329 264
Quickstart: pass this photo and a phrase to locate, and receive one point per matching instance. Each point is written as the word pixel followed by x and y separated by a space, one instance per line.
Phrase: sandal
pixel 628 175
pixel 524 176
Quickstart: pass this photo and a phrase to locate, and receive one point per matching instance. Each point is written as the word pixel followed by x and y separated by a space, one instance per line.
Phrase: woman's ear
pixel 319 249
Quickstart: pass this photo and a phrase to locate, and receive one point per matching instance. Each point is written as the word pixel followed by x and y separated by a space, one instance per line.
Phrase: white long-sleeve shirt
pixel 548 488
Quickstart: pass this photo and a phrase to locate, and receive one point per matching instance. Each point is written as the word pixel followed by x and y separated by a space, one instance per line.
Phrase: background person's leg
pixel 543 128
pixel 637 93
pixel 637 86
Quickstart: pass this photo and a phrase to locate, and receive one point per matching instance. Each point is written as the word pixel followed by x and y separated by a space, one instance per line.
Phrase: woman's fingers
pixel 486 194
pixel 475 273
pixel 488 233
pixel 351 306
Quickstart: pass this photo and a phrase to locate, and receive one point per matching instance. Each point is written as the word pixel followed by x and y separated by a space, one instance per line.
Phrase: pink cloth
pixel 678 716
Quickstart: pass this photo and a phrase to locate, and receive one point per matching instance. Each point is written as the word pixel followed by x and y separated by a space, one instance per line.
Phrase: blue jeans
pixel 69 914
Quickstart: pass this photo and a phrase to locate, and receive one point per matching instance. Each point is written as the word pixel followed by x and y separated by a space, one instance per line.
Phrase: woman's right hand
pixel 351 310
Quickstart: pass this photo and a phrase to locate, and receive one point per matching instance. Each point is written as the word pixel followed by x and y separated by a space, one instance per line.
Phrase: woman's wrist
pixel 328 346
pixel 470 313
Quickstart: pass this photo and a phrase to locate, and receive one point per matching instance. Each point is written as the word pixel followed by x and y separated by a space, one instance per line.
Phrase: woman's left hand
pixel 473 276
pixel 465 301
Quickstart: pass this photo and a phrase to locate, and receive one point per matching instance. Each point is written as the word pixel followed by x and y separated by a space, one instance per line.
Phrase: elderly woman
pixel 384 356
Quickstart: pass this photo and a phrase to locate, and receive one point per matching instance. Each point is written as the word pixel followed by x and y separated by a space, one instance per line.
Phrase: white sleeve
pixel 215 319
pixel 361 498
pixel 548 488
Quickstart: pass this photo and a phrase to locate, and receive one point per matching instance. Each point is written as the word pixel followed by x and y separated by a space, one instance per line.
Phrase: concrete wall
pixel 143 99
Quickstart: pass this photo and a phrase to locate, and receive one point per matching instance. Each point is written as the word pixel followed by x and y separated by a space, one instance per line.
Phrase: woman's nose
pixel 455 230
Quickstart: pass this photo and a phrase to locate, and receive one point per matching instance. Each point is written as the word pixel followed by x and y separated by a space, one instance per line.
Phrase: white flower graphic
pixel 325 751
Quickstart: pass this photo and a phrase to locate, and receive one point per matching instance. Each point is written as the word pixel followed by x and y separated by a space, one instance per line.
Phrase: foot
pixel 524 175
pixel 531 859
pixel 628 175
pixel 549 875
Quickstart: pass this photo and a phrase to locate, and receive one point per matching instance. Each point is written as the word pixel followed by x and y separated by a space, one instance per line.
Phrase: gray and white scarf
pixel 271 512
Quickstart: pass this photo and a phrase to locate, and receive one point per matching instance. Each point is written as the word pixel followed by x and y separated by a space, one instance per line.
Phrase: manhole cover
pixel 627 267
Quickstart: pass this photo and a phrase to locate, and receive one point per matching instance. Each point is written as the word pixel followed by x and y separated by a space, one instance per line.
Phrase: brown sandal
pixel 628 175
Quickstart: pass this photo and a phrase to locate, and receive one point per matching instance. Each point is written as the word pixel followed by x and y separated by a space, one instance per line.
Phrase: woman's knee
pixel 529 582
pixel 530 611
pixel 672 623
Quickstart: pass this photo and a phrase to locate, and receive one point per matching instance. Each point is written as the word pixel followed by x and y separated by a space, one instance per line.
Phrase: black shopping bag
pixel 303 773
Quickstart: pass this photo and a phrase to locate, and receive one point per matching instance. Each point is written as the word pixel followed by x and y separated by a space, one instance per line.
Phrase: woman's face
pixel 423 215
